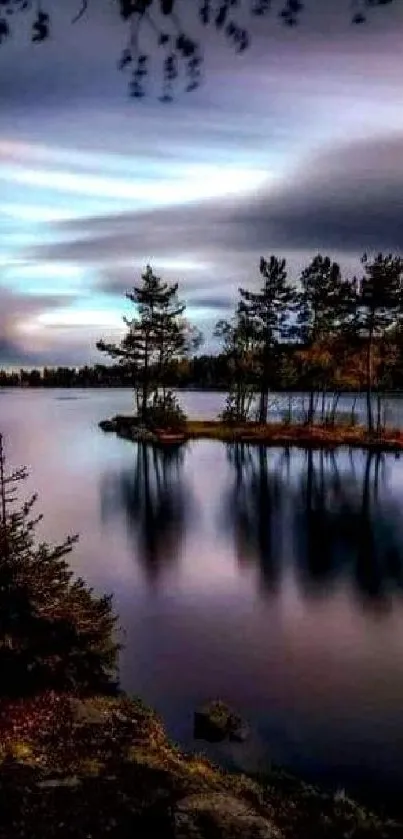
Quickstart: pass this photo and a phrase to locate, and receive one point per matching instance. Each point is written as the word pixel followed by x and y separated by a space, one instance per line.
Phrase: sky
pixel 293 148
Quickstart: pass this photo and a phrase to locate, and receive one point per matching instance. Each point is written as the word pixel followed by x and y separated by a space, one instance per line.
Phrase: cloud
pixel 213 302
pixel 85 172
pixel 346 199
pixel 349 199
pixel 19 343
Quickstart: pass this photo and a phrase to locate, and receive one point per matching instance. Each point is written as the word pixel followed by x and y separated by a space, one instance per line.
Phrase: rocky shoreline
pixel 100 766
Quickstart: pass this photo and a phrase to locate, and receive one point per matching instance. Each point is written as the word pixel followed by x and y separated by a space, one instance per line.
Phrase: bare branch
pixel 81 12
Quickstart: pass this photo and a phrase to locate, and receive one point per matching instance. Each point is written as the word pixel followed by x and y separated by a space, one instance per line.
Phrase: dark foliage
pixel 157 336
pixel 55 633
pixel 346 335
pixel 165 412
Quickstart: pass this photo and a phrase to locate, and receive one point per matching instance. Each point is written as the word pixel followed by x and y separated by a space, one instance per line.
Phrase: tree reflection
pixel 155 503
pixel 348 525
pixel 339 519
pixel 252 508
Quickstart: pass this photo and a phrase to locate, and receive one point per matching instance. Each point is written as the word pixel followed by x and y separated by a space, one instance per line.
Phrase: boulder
pixel 107 425
pixel 238 729
pixel 54 783
pixel 215 721
pixel 221 816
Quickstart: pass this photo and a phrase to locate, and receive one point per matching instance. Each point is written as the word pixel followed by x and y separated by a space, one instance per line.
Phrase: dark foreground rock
pixel 108 425
pixel 218 814
pixel 215 722
pixel 104 767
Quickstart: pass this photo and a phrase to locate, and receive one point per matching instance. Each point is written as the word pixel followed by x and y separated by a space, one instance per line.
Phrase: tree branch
pixel 81 12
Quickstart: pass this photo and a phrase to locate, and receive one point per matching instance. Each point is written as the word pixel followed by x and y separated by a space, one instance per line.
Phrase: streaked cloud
pixel 296 147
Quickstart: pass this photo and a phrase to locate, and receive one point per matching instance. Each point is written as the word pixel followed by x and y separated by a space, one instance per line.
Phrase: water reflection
pixel 332 519
pixel 253 507
pixel 155 503
pixel 344 529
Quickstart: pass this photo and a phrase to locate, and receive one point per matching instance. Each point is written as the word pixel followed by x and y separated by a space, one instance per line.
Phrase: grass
pixel 277 434
pixel 272 434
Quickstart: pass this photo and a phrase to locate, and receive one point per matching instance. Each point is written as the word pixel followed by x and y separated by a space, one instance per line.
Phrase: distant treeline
pixel 204 372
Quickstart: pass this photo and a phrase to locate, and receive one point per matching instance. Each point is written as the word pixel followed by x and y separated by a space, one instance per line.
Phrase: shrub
pixel 165 412
pixel 237 409
pixel 54 631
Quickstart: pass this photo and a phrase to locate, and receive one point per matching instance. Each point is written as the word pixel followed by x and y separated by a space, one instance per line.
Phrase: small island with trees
pixel 329 334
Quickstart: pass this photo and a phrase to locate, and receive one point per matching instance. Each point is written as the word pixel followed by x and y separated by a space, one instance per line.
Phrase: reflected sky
pixel 270 578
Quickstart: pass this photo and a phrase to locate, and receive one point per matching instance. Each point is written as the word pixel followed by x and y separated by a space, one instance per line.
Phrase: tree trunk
pixel 379 412
pixel 144 405
pixel 323 404
pixel 352 416
pixel 370 418
pixel 311 408
pixel 264 387
pixel 3 523
pixel 336 398
pixel 263 405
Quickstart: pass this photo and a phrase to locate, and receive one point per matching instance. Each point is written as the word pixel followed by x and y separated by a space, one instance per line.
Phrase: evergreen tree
pixel 379 310
pixel 325 302
pixel 157 335
pixel 54 632
pixel 268 312
pixel 238 338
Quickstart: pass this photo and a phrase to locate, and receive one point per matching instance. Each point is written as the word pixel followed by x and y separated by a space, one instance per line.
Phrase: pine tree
pixel 157 335
pixel 55 633
pixel 380 309
pixel 268 312
pixel 238 338
pixel 325 303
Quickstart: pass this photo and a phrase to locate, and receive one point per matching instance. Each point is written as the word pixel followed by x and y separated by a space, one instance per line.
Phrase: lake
pixel 270 578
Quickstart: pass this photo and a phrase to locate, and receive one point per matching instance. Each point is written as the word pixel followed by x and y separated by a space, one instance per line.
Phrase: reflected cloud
pixel 151 496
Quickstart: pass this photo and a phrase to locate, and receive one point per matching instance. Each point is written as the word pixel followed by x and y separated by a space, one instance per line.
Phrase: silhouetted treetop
pixel 182 50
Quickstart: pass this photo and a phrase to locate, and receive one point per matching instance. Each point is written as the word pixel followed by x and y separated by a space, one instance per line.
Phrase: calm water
pixel 272 579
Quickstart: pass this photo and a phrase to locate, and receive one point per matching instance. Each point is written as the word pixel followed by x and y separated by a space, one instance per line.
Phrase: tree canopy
pixel 157 335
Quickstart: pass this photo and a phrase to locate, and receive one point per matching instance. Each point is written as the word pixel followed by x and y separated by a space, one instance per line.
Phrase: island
pixel 268 434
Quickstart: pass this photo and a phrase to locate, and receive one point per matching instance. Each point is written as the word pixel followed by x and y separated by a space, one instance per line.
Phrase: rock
pixel 107 425
pixel 215 722
pixel 211 722
pixel 86 713
pixel 53 783
pixel 121 420
pixel 239 730
pixel 221 816
pixel 137 433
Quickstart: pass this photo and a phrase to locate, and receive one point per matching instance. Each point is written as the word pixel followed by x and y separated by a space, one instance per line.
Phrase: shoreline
pixel 111 758
pixel 271 434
